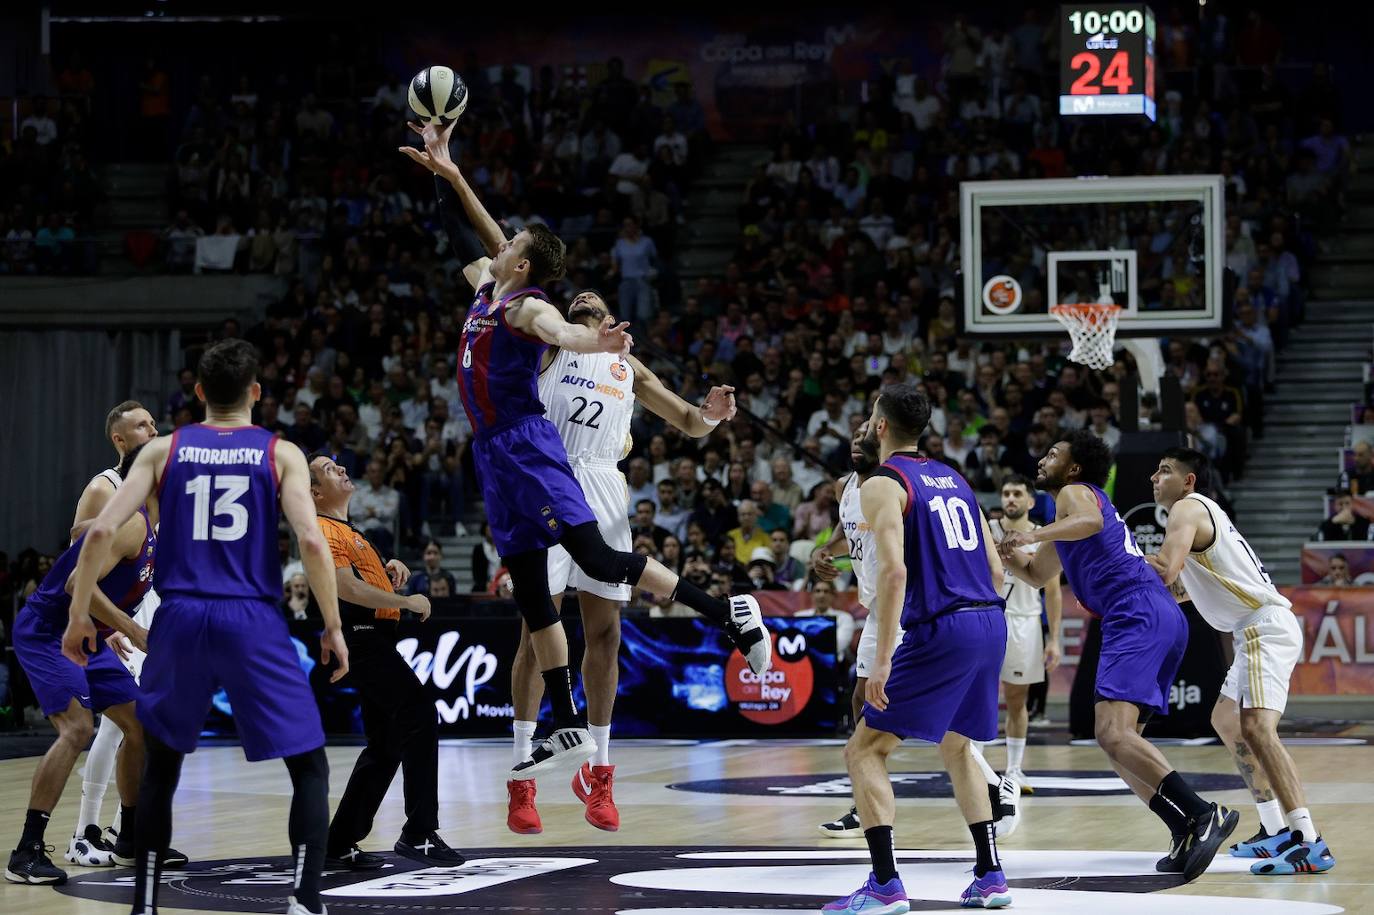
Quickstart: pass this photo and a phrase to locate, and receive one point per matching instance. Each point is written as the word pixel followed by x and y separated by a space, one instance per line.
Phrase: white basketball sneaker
pixel 564 748
pixel 90 849
pixel 1006 805
pixel 295 908
pixel 747 632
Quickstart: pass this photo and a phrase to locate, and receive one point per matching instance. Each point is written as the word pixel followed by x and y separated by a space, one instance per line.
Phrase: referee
pixel 398 717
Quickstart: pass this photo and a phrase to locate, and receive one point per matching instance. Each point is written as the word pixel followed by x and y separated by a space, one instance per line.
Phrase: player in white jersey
pixel 1228 585
pixel 1029 658
pixel 127 426
pixel 591 399
pixel 857 545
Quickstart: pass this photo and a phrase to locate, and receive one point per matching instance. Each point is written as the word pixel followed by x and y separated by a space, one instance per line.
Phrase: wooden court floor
pixel 726 828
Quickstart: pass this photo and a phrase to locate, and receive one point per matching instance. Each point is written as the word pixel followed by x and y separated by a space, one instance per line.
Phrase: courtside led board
pixel 1107 59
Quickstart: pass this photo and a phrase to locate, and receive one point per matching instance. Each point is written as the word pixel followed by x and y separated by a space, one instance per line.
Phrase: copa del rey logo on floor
pixel 781 692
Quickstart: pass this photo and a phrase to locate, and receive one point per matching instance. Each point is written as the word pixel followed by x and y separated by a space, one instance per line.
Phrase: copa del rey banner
pixel 1338 638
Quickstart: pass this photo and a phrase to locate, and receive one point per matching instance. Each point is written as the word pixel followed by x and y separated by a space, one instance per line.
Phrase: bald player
pixel 127 426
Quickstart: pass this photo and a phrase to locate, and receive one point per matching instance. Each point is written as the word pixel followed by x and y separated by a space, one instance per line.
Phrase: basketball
pixel 437 95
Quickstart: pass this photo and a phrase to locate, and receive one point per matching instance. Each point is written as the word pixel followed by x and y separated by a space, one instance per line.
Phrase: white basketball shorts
pixel 867 655
pixel 1024 662
pixel 143 615
pixel 609 499
pixel 1268 647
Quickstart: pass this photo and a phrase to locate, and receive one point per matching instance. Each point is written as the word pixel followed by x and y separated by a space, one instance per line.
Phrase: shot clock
pixel 1107 59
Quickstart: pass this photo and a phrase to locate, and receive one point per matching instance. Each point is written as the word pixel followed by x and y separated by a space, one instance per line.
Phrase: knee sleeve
pixel 529 578
pixel 595 557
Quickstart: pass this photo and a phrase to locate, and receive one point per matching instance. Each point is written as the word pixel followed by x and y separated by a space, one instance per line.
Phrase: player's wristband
pixel 710 422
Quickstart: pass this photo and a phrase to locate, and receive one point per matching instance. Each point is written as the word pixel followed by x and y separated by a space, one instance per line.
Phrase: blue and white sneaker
pixel 1261 844
pixel 873 898
pixel 989 891
pixel 1298 858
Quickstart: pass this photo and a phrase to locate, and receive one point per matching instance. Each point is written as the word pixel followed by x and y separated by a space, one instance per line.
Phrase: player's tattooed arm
pixel 1185 519
pixel 650 390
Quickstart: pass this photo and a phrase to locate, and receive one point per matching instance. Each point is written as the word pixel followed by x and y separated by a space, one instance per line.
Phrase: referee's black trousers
pixel 399 720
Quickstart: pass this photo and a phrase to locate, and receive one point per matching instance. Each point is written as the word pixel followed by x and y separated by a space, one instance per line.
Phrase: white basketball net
pixel 1092 328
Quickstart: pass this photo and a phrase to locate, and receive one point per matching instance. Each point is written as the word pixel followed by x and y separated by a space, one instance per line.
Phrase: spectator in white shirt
pixel 42 124
pixel 374 508
pixel 442 383
pixel 674 139
pixel 829 422
pixel 391 95
pixel 632 169
pixel 1100 415
pixel 1021 108
pixel 825 168
pixel 808 474
pixel 922 105
pixel 823 604
pixel 877 225
pixel 784 168
pixel 985 109
pixel 640 485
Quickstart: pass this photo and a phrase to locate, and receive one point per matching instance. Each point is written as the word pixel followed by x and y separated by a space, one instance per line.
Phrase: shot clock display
pixel 1107 59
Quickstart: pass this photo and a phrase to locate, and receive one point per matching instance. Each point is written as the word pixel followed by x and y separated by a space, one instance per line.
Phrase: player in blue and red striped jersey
pixel 532 499
pixel 217 486
pixel 1144 636
pixel 67 693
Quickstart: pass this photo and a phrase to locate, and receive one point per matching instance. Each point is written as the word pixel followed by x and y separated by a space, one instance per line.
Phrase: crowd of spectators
pixel 49 187
pixel 844 279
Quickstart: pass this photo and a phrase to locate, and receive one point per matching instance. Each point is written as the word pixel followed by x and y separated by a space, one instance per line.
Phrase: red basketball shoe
pixel 593 787
pixel 521 815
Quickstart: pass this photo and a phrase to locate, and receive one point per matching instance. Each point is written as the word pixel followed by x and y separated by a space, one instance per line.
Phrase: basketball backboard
pixel 1152 245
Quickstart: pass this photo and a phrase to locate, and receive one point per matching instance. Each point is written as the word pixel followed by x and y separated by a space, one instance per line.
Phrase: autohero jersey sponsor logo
pixel 778 694
pixel 578 381
pixel 192 454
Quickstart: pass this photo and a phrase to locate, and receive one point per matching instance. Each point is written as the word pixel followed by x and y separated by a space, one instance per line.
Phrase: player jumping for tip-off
pixel 533 501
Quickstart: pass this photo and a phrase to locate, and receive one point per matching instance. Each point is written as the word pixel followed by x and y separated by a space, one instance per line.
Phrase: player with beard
pixel 591 399
pixel 1144 636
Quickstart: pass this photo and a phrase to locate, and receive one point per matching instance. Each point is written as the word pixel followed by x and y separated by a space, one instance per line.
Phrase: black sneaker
pixel 355 859
pixel 29 863
pixel 125 856
pixel 1172 863
pixel 846 827
pixel 433 851
pixel 1208 835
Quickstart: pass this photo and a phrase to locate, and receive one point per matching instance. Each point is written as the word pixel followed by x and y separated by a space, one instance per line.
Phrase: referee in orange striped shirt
pixel 398 717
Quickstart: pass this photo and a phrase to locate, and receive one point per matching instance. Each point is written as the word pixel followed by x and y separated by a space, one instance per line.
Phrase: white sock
pixel 1271 816
pixel 1300 820
pixel 100 764
pixel 977 747
pixel 602 735
pixel 1016 751
pixel 524 739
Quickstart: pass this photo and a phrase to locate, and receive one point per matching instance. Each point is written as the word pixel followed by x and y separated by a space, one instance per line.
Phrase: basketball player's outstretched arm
pixel 299 509
pixel 98 550
pixel 1187 520
pixel 718 406
pixel 540 319
pixel 883 501
pixel 475 240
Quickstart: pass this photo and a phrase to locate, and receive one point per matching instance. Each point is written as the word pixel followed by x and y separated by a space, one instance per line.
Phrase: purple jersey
pixel 218 501
pixel 498 366
pixel 1108 564
pixel 946 559
pixel 125 586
